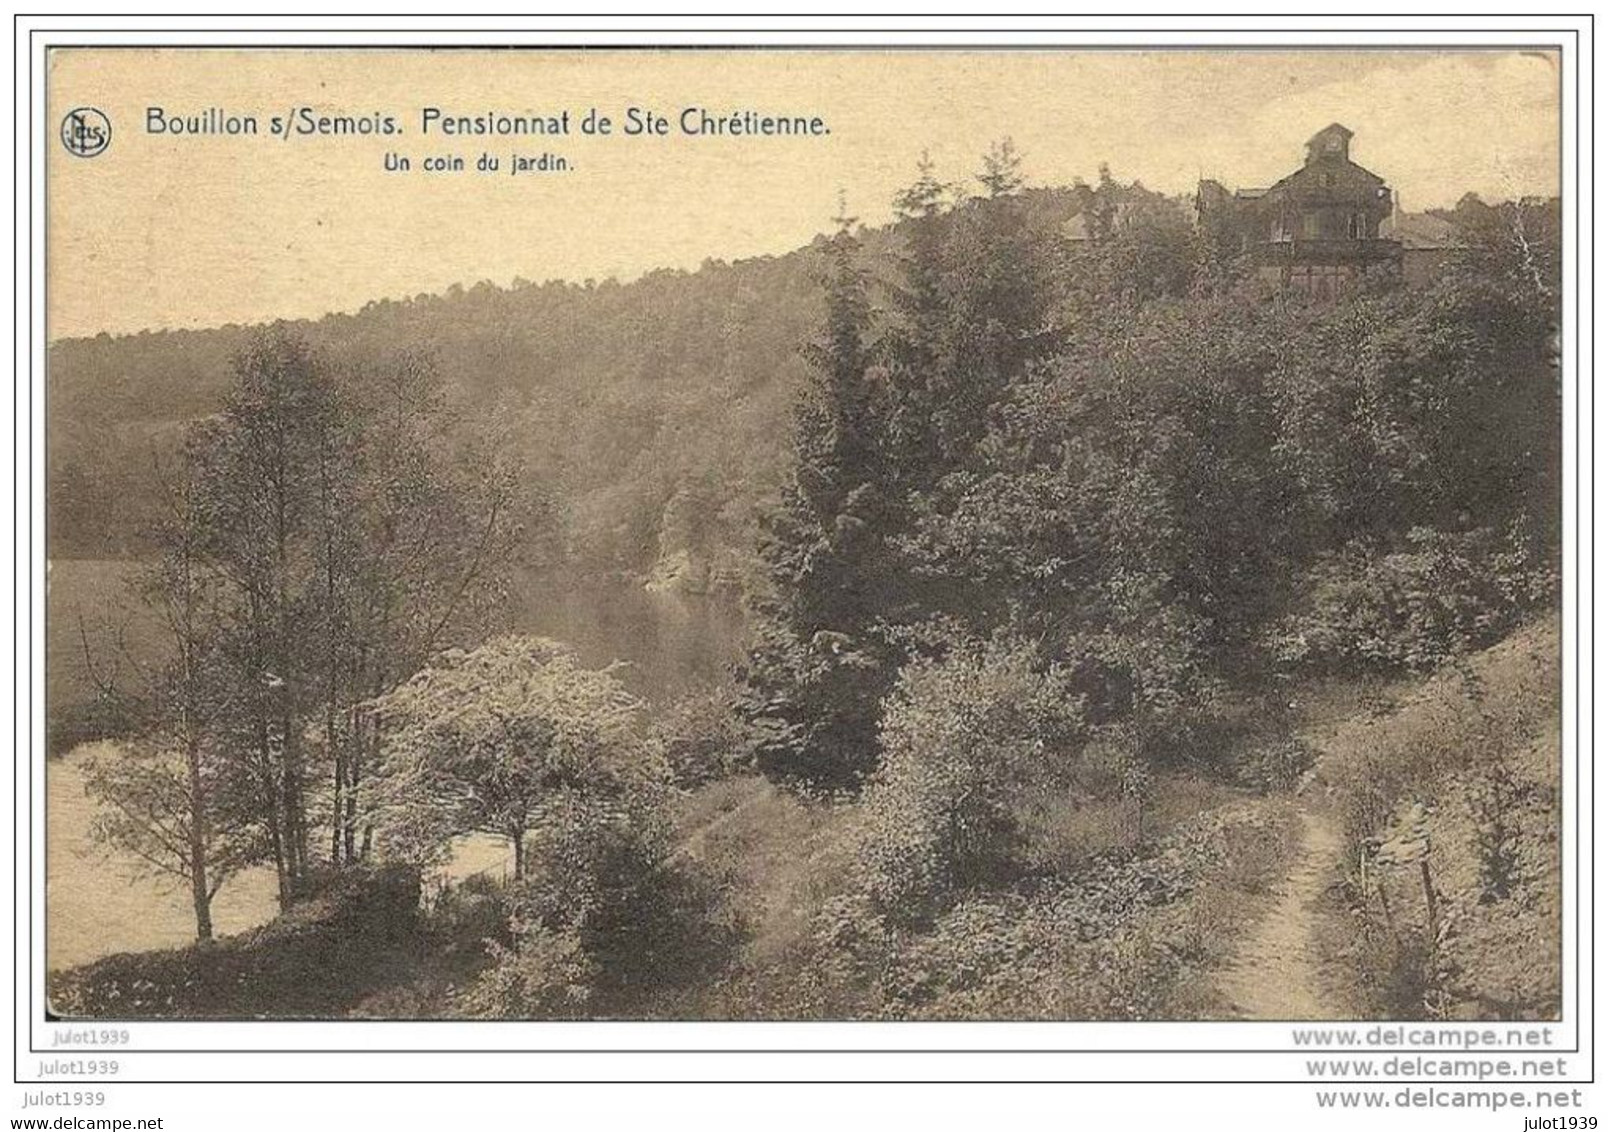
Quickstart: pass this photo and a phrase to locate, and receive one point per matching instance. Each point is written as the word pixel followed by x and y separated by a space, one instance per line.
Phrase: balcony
pixel 1337 252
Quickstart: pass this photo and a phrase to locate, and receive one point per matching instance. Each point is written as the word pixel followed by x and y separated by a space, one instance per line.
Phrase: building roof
pixel 1077 228
pixel 1307 171
pixel 1331 128
pixel 1420 231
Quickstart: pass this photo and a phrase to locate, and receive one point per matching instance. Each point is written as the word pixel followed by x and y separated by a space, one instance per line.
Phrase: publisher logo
pixel 86 132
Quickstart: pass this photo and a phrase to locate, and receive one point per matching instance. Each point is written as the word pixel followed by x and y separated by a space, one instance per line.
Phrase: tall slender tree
pixel 335 532
pixel 808 678
pixel 170 798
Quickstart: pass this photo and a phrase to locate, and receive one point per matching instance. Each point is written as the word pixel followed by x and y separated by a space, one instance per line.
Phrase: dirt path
pixel 1277 974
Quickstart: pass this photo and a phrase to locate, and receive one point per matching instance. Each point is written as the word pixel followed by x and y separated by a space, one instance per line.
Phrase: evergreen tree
pixel 973 302
pixel 813 683
pixel 919 340
pixel 976 314
pixel 1001 303
pixel 876 434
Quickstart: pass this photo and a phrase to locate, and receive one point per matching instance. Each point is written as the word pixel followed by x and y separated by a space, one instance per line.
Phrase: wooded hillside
pixel 656 410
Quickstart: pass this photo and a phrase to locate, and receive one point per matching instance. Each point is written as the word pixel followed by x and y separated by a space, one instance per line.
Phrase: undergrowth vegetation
pixel 1064 529
pixel 1452 870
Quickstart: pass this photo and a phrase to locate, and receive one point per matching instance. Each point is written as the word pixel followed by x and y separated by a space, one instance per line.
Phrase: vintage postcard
pixel 900 533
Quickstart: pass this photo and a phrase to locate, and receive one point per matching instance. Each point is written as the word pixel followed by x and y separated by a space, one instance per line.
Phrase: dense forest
pixel 1068 536
pixel 651 409
pixel 648 408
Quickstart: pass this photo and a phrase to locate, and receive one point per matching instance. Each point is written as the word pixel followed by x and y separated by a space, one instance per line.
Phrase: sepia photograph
pixel 804 534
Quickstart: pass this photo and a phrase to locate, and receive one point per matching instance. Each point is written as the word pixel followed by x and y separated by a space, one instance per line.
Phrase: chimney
pixel 1334 140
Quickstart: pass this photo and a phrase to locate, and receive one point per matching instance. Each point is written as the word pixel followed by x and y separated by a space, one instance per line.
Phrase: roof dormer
pixel 1332 143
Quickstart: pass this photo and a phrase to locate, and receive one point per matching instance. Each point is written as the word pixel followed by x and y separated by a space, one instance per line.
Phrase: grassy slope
pixel 1211 857
pixel 1225 861
pixel 1437 742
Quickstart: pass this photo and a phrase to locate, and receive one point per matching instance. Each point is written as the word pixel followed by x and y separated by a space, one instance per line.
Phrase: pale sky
pixel 162 232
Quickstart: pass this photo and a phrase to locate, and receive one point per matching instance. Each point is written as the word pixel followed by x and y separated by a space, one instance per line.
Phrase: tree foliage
pixel 517 739
pixel 321 535
pixel 823 549
pixel 508 737
pixel 177 813
pixel 897 399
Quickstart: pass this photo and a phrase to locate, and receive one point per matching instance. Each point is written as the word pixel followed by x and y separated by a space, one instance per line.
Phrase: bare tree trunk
pixel 337 750
pixel 295 806
pixel 202 900
pixel 336 814
pixel 293 869
pixel 331 661
pixel 273 815
pixel 295 814
pixel 200 835
pixel 276 843
pixel 353 770
pixel 337 819
pixel 350 820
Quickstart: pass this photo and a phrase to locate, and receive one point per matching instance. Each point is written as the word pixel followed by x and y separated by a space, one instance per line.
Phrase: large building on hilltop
pixel 1317 229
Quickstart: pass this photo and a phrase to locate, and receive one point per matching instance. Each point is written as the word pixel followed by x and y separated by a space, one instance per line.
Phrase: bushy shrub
pixel 466 919
pixel 1120 939
pixel 704 737
pixel 1274 764
pixel 96 717
pixel 962 737
pixel 1112 767
pixel 315 960
pixel 606 914
pixel 1417 605
pixel 1495 797
pixel 546 974
pixel 1395 967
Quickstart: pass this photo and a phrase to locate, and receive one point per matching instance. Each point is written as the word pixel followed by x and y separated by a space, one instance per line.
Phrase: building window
pixel 1309 226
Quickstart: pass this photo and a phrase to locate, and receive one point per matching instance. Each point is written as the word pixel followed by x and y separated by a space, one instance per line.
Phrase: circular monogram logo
pixel 86 132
